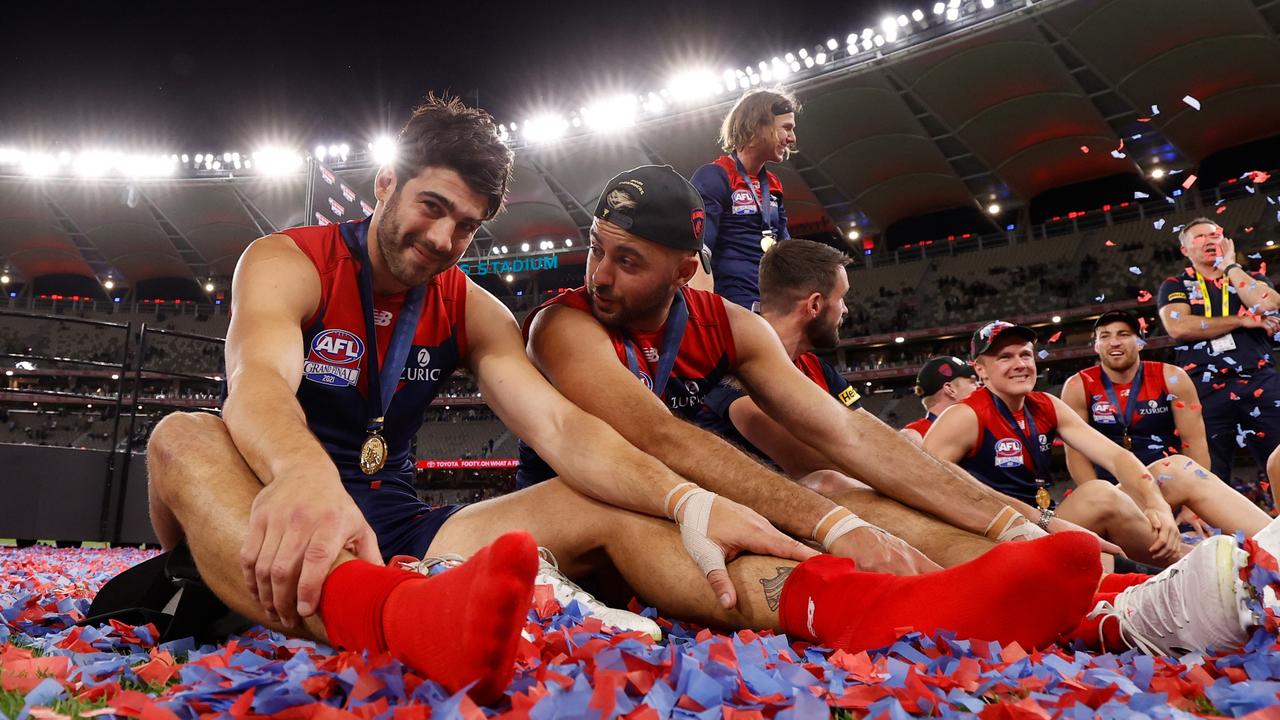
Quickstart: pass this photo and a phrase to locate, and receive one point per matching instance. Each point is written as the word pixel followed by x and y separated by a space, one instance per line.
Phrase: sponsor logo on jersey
pixel 424 372
pixel 382 318
pixel 1008 453
pixel 1154 407
pixel 849 396
pixel 1104 413
pixel 334 358
pixel 650 353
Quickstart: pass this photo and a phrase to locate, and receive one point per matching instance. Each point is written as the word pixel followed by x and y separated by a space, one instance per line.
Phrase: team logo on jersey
pixel 743 203
pixel 1104 413
pixel 382 318
pixel 1008 453
pixel 334 358
pixel 644 378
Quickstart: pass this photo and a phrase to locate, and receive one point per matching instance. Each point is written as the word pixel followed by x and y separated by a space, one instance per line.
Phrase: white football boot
pixel 1196 603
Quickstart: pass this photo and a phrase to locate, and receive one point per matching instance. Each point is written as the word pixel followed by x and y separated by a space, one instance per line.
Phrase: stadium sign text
pixel 516 265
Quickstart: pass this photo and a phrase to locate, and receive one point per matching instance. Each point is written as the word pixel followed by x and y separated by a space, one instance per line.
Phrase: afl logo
pixel 1008 453
pixel 644 378
pixel 1104 413
pixel 337 346
pixel 743 197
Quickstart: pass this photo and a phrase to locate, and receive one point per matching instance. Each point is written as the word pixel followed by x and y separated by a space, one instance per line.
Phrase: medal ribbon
pixel 677 321
pixel 1039 460
pixel 381 386
pixel 765 220
pixel 1129 413
pixel 1204 293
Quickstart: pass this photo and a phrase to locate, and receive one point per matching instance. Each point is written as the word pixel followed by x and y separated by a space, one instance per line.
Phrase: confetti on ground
pixel 571 667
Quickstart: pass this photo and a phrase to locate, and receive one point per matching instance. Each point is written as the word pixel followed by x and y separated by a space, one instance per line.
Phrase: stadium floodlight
pixel 695 84
pixel 808 62
pixel 953 14
pixel 993 209
pixel 789 57
pixel 878 40
pixel 654 104
pixel 92 164
pixel 504 250
pixel 939 8
pixel 854 234
pixel 186 159
pixel 802 53
pixel 10 156
pixel 867 33
pixel 988 4
pixel 1056 319
pixel 320 152
pixel 208 287
pixel 344 150
pixel 1271 243
pixel 384 149
pixel 199 158
pixel 899 339
pixel 39 164
pixel 903 21
pixel 851 40
pixel 609 114
pixel 545 128
pixel 766 75
pixel 1157 173
pixel 115 376
pixel 109 284
pixel 64 158
pixel 217 164
pixel 275 161
pixel 333 151
pixel 4 279
pixel 524 247
pixel 889 28
pixel 248 164
pixel 795 66
pixel 820 58
pixel 226 157
pixel 917 15
pixel 568 242
pixel 832 44
pixel 509 277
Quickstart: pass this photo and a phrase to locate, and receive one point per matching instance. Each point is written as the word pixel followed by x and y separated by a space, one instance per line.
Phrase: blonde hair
pixel 753 111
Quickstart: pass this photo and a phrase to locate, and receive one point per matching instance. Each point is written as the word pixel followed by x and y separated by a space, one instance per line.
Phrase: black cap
pixel 1112 316
pixel 656 203
pixel 985 336
pixel 939 371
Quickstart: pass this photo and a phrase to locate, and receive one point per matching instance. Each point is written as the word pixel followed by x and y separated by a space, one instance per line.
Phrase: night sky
pixel 190 77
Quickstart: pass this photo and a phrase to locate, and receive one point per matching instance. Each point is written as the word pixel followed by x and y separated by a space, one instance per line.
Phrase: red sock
pixel 456 627
pixel 1115 582
pixel 1029 592
pixel 1108 640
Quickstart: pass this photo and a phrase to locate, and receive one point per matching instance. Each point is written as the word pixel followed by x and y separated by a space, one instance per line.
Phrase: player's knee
pixel 175 436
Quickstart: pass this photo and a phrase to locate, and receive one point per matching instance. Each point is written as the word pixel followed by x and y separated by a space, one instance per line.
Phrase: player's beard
pixel 1120 364
pixel 822 333
pixel 392 245
pixel 627 312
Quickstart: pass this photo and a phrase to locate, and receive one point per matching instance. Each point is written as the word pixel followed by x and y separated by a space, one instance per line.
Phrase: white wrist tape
pixel 693 530
pixel 841 527
pixel 1025 530
pixel 666 501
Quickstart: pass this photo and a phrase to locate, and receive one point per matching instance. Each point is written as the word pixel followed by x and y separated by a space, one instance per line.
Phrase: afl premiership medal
pixel 767 240
pixel 1043 499
pixel 373 454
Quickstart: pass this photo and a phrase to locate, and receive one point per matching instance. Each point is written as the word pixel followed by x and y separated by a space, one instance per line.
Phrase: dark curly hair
pixel 442 132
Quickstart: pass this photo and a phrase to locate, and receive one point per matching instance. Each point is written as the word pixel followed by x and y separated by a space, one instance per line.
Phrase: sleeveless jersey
pixel 333 387
pixel 998 457
pixel 922 425
pixel 1152 435
pixel 707 351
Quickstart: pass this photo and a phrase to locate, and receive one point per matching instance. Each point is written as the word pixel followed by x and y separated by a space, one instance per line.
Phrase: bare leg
pixel 1103 508
pixel 1273 477
pixel 942 543
pixel 1184 482
pixel 200 487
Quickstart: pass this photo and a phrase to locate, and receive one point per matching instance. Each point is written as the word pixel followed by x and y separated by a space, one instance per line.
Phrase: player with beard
pixel 1150 408
pixel 943 381
pixel 639 349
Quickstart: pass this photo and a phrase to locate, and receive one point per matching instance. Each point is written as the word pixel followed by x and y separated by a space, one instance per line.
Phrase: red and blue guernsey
pixel 922 425
pixel 999 457
pixel 1148 421
pixel 333 387
pixel 706 353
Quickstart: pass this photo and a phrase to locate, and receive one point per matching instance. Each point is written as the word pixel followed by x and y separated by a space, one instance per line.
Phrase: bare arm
pixel 1187 414
pixel 1078 465
pixel 857 443
pixel 795 457
pixel 916 438
pixel 303 517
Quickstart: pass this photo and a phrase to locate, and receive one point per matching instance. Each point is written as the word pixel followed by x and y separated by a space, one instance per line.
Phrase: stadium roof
pixel 1045 96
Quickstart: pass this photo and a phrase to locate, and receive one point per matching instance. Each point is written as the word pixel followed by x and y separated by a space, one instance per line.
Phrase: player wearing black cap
pixel 1150 408
pixel 942 382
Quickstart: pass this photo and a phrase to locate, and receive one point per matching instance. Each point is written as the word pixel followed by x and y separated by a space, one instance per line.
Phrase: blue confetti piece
pixel 1042 354
pixel 1255 412
pixel 1135 270
pixel 1175 314
pixel 1159 224
pixel 1140 196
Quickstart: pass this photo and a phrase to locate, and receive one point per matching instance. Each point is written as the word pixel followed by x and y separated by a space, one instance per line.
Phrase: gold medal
pixel 1043 499
pixel 1126 441
pixel 767 240
pixel 373 454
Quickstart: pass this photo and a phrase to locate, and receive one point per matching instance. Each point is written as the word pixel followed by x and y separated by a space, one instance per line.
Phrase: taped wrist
pixel 692 513
pixel 845 523
pixel 1008 525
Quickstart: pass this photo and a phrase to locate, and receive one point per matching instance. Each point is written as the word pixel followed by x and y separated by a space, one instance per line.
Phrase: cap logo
pixel 619 199
pixel 945 370
pixel 697 217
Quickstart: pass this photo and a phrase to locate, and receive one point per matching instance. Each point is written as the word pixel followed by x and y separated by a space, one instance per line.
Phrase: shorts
pixel 403 523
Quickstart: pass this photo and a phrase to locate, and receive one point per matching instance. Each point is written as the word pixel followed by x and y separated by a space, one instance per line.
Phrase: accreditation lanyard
pixel 765 220
pixel 1204 293
pixel 677 321
pixel 1128 414
pixel 1030 440
pixel 381 386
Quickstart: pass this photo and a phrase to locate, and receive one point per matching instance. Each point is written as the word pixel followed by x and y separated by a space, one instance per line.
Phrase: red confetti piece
pixel 1191 180
pixel 1258 176
pixel 1084 149
pixel 1221 209
pixel 1144 296
pixel 1257 393
pixel 1142 323
pixel 1054 337
pixel 1110 243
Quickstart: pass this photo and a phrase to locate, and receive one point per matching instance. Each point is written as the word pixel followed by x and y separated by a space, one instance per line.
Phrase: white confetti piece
pixel 1191 101
pixel 1159 224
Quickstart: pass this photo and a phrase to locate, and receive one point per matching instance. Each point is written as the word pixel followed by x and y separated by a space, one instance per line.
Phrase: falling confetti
pixel 1159 224
pixel 1191 101
pixel 1191 180
pixel 1135 269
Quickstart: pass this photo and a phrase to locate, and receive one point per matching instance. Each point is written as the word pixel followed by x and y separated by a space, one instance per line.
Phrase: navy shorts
pixel 403 523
